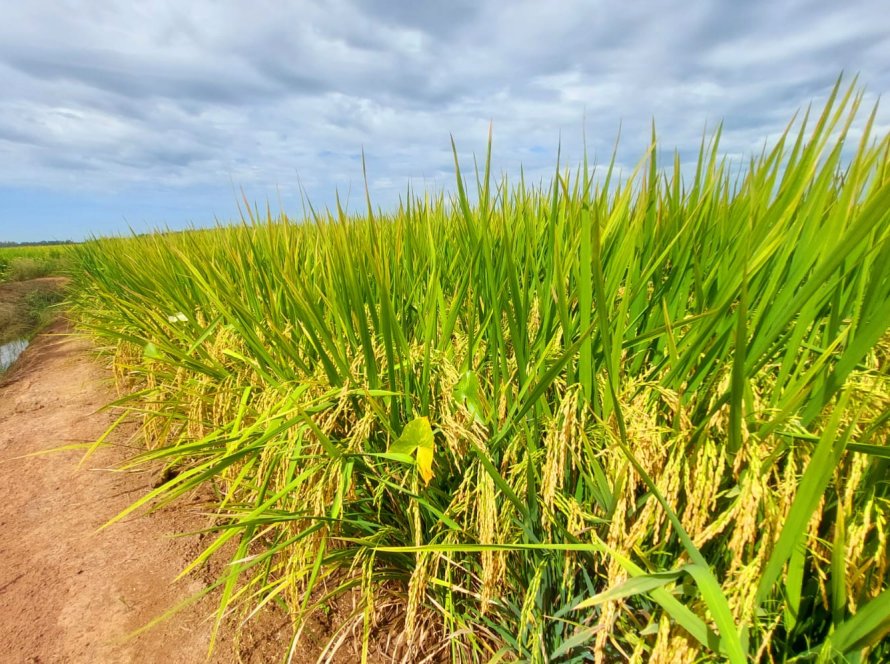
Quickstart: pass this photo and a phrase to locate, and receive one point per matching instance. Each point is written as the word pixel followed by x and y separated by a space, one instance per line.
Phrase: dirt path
pixel 67 592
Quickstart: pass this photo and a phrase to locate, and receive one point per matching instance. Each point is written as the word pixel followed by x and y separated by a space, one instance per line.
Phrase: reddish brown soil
pixel 72 593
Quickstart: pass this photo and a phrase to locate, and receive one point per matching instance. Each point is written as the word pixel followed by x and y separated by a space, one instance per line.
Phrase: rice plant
pixel 24 262
pixel 636 418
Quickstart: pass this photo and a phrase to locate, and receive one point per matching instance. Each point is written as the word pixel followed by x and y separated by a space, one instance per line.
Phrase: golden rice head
pixel 417 587
pixel 488 532
pixel 673 645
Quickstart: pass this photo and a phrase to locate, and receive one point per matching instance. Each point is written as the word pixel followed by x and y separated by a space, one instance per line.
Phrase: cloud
pixel 183 101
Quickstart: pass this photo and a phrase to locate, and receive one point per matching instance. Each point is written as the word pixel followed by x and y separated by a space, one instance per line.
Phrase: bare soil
pixel 70 592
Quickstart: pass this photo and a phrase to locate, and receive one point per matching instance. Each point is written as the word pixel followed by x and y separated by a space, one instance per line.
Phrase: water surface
pixel 10 352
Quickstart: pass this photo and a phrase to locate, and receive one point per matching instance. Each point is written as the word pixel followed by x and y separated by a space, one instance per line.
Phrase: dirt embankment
pixel 23 305
pixel 72 593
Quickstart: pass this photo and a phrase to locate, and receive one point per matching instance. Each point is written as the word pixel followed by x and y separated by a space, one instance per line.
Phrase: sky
pixel 120 116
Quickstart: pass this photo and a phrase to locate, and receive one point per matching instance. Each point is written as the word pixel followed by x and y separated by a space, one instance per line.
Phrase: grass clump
pixel 21 263
pixel 22 269
pixel 638 420
pixel 27 307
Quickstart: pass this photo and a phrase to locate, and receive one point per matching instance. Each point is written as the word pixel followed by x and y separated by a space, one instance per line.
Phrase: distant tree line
pixel 41 243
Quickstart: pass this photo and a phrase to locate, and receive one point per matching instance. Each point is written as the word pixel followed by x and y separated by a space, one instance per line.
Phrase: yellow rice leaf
pixel 417 436
pixel 425 463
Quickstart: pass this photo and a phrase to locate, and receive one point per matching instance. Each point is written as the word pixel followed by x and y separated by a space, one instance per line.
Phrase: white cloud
pixel 169 97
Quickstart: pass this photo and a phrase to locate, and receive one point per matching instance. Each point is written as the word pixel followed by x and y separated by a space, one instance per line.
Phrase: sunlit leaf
pixel 151 352
pixel 417 436
pixel 425 463
pixel 468 392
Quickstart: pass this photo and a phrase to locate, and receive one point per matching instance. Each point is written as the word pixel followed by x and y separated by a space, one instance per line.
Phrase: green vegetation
pixel 641 419
pixel 27 311
pixel 27 306
pixel 23 262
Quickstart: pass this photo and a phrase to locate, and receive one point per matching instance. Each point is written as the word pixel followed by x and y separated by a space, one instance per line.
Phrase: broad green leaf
pixel 417 436
pixel 468 391
pixel 425 463
pixel 150 352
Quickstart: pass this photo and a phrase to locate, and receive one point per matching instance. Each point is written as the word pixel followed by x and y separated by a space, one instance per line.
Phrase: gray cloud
pixel 169 96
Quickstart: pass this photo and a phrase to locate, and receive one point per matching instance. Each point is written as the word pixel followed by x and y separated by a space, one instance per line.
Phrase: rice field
pixel 637 417
pixel 23 262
